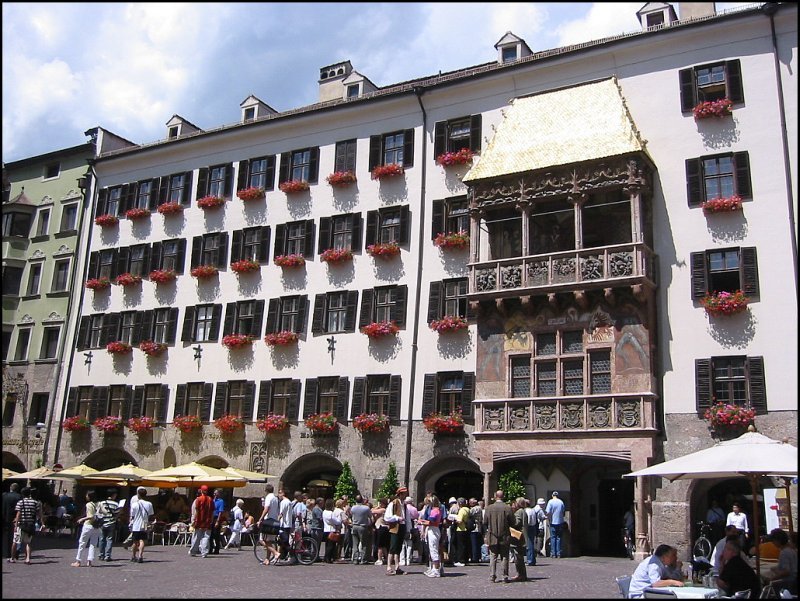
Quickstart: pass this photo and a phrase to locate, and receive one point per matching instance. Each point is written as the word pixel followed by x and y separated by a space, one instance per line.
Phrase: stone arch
pixel 108 457
pixel 303 471
pixel 213 461
pixel 13 462
pixel 462 472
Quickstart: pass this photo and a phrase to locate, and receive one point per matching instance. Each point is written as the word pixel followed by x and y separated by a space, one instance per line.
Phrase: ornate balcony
pixel 574 270
pixel 628 412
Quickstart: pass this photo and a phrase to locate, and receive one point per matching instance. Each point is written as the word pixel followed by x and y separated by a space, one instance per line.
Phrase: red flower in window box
pixel 106 220
pixel 726 418
pixel 384 251
pixel 245 266
pixel 281 338
pixel 439 423
pixel 108 424
pixel 134 214
pixel 152 349
pixel 324 423
pixel 385 171
pixel 162 276
pixel 204 271
pixel 170 208
pixel 234 341
pixel 141 425
pixel 75 423
pixel 380 329
pixel 290 260
pixel 460 157
pixel 228 424
pixel 210 202
pixel 251 193
pixel 713 108
pixel 723 205
pixel 725 303
pixel 118 348
pixel 340 179
pixel 294 185
pixel 128 279
pixel 337 255
pixel 448 323
pixel 98 283
pixel 371 422
pixel 454 240
pixel 187 423
pixel 273 423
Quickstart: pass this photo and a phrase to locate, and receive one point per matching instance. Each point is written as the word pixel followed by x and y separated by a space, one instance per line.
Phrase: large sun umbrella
pixel 127 471
pixel 751 455
pixel 250 476
pixel 7 473
pixel 40 473
pixel 74 473
pixel 192 474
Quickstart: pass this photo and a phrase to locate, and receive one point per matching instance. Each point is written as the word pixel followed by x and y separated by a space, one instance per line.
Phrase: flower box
pixel 134 214
pixel 336 255
pixel 108 424
pixel 340 179
pixel 204 271
pixel 289 260
pixel 75 424
pixel 170 208
pixel 713 109
pixel 228 424
pixel 454 240
pixel 460 157
pixel 141 425
pixel 384 251
pixel 379 329
pixel 272 423
pixel 152 349
pixel 729 419
pixel 234 341
pixel 448 323
pixel 371 422
pixel 723 205
pixel 725 303
pixel 281 338
pixel 294 185
pixel 162 276
pixel 128 279
pixel 98 283
pixel 245 266
pixel 323 423
pixel 118 348
pixel 210 202
pixel 187 423
pixel 385 171
pixel 439 423
pixel 251 193
pixel 106 220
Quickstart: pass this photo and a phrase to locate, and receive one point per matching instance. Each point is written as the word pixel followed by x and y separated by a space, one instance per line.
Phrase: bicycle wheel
pixel 260 549
pixel 702 547
pixel 306 551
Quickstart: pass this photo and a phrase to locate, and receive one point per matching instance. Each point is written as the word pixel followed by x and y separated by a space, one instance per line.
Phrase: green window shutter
pixel 758 384
pixel 704 385
pixel 698 274
pixel 687 89
pixel 733 76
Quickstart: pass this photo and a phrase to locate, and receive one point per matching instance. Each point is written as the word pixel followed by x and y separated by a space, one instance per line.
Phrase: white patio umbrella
pixel 751 455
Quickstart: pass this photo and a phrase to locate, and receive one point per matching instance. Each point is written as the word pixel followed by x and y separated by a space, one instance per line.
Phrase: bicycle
pixel 628 542
pixel 702 546
pixel 301 544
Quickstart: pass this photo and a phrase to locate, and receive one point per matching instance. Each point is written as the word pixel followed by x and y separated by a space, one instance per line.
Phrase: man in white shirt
pixel 140 512
pixel 739 519
pixel 555 511
pixel 716 554
pixel 655 571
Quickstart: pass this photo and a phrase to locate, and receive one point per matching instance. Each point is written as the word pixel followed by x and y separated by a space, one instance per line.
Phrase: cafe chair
pixel 745 594
pixel 654 593
pixel 157 532
pixel 624 584
pixel 181 535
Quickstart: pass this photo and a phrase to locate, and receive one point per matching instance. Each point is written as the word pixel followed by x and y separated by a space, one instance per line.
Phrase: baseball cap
pixel 452 500
pixel 555 493
pixel 540 501
pixel 204 488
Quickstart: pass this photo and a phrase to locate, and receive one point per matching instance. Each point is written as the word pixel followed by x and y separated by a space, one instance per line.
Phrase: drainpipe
pixel 418 91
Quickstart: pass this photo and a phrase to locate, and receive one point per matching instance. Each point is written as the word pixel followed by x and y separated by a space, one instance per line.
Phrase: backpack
pixel 98 519
pixel 470 522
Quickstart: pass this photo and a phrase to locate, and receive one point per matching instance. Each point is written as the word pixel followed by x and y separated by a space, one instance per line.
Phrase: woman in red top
pixel 432 519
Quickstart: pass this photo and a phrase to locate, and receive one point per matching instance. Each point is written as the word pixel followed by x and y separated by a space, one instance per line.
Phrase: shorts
pixel 383 538
pixel 396 540
pixel 139 535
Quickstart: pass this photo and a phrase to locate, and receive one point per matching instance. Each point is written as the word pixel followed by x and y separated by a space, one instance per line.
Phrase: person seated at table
pixel 767 549
pixel 736 574
pixel 784 575
pixel 660 570
pixel 176 507
pixel 716 554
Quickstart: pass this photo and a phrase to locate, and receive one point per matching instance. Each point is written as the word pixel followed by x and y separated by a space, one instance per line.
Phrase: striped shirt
pixel 28 510
pixel 109 509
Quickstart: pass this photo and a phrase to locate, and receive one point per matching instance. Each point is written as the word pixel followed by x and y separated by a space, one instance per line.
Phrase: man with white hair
pixel 236 524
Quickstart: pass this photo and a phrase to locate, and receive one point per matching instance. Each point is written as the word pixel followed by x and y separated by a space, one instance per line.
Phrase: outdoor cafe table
pixel 691 592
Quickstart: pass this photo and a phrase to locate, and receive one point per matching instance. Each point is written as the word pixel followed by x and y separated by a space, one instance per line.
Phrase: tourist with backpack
pixel 29 510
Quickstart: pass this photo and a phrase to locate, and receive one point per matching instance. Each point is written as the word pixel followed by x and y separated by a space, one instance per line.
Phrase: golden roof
pixel 580 123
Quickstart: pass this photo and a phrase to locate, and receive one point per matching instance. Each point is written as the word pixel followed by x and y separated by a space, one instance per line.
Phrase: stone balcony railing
pixel 573 270
pixel 548 415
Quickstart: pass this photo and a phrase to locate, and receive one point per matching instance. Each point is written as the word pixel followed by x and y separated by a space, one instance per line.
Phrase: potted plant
pixel 141 425
pixel 725 418
pixel 152 349
pixel 118 348
pixel 108 424
pixel 725 303
pixel 322 423
pixel 385 250
pixel 294 185
pixel 272 423
pixel 723 205
pixel 245 266
pixel 251 193
pixel 386 171
pixel 210 202
pixel 371 422
pixel 281 338
pixel 170 208
pixel 134 214
pixel 340 179
pixel 293 260
pixel 98 283
pixel 713 109
pixel 439 423
pixel 460 157
pixel 187 423
pixel 76 423
pixel 380 329
pixel 162 276
pixel 204 271
pixel 228 424
pixel 106 220
pixel 452 240
pixel 336 255
pixel 128 279
pixel 235 341
pixel 448 323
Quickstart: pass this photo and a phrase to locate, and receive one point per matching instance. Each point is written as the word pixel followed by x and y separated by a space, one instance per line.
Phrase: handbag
pixel 270 526
pixel 28 528
pixel 515 533
pixel 395 528
pixel 334 537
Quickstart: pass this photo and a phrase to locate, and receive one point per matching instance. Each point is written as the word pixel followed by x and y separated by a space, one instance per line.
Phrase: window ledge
pixel 58 294
pixel 30 297
pixel 40 238
pixel 18 362
pixel 66 233
pixel 45 361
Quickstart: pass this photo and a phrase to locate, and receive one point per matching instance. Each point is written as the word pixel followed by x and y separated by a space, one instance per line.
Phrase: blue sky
pixel 128 68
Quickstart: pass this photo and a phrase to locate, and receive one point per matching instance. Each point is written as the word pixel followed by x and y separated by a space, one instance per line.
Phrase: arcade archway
pixel 315 474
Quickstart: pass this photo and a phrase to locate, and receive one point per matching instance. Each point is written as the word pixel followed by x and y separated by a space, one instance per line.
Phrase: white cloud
pixel 603 20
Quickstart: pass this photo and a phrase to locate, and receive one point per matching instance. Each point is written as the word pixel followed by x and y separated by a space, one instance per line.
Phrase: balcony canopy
pixel 571 125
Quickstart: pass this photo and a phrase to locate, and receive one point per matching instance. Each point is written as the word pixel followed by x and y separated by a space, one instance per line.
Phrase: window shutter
pixel 310 398
pixel 703 384
pixel 244 173
pixel 180 259
pixel 202 182
pixel 439 139
pixel 688 90
pixel 72 402
pixel 94 265
pixel 146 326
pixel 741 160
pixel 155 257
pixel 263 247
pixel 283 171
pixel 317 326
pixel 122 260
pixel 324 235
pixel 356 223
pixel 249 398
pixel 258 318
pixel 313 166
pixel 374 151
pixel 694 182
pixel 467 394
pixel 372 228
pixel 405 224
pixel 161 188
pixel 127 401
pixel 435 301
pixel 749 262
pixel 208 395
pixel 264 393
pixel 733 76
pixel 429 395
pixel 220 401
pixel 272 315
pixel 187 332
pixel 398 311
pixel 294 401
pixel 100 209
pixel 269 174
pixel 228 180
pixel 152 202
pixel 197 248
pixel 187 188
pixel 136 333
pixel 308 246
pixel 99 405
pixel 172 325
pixel 366 307
pixel 111 327
pixel 216 316
pixel 146 259
pixel 302 313
pixel 162 409
pixel 180 400
pixel 280 239
pixel 236 246
pixel 136 406
pixel 83 333
pixel 342 399
pixel 350 157
pixel 698 271
pixel 359 390
pixel 222 250
pixel 475 132
pixel 395 386
pixel 408 148
pixel 350 314
pixel 437 218
pixel 758 384
pixel 230 319
pixel 128 195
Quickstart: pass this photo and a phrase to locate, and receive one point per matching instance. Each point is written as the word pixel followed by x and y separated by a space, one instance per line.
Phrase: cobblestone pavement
pixel 168 571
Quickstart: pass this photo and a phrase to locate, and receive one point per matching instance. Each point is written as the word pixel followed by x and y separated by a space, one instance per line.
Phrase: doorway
pixel 615 496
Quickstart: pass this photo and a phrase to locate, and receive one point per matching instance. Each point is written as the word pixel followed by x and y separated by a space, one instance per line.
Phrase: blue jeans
pixel 533 532
pixel 555 540
pixel 106 541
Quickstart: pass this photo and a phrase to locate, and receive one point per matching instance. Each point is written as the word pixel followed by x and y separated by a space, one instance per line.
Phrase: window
pixel 558 363
pixel 23 340
pixel 69 217
pixel 85 396
pixel 52 170
pixel 718 176
pixel 169 254
pixel 455 134
pixel 161 325
pixel 118 401
pixel 113 201
pixel 724 270
pixel 43 225
pixel 60 275
pixel 9 409
pixel 96 338
pixel 345 158
pixel 396 147
pixel 173 132
pixel 6 342
pixel 296 237
pixel 341 232
pixel 606 220
pixel 249 113
pixel 215 181
pixel 327 394
pixel 201 323
pixel 192 399
pixel 134 260
pixel 711 82
pixel 335 312
pixel 509 54
pixel 16 224
pixel 450 216
pixel 235 398
pixel 287 313
pixel 153 401
pixel 105 266
pixel 210 249
pixel 176 188
pixel 520 376
pixel 12 277
pixel 38 410
pixel 244 317
pixel 384 304
pixel 352 90
pixel 389 224
pixel 34 279
pixel 600 372
pixel 377 393
pixel 448 298
pixel 126 326
pixel 737 380
pixel 300 164
pixel 50 342
pixel 257 173
pixel 145 195
pixel 655 19
pixel 158 325
pixel 251 243
pixel 281 396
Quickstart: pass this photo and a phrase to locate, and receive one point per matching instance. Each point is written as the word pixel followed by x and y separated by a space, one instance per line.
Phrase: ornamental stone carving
pixel 545 418
pixel 485 279
pixel 62 250
pixel 600 415
pixel 628 414
pixel 494 418
pixel 519 418
pixel 564 270
pixel 572 416
pixel 258 457
pixel 511 276
pixel 620 264
pixel 37 255
pixel 537 273
pixel 591 268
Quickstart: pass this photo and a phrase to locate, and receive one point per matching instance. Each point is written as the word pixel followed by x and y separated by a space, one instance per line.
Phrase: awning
pixel 580 123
